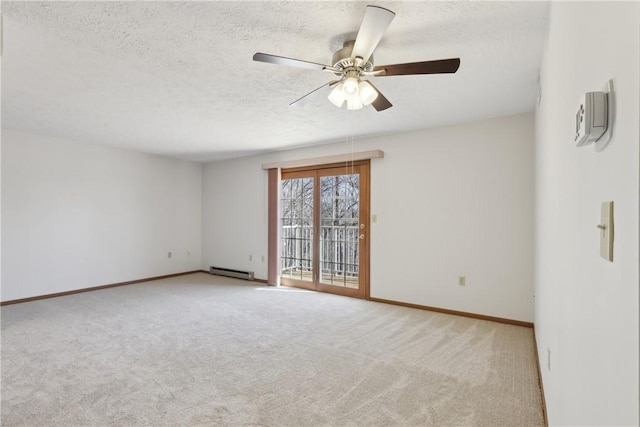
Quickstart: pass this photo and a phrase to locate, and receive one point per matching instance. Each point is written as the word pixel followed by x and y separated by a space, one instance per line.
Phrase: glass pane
pixel 339 230
pixel 297 229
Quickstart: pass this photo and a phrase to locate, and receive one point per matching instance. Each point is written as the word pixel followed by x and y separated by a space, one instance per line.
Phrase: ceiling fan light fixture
pixel 337 96
pixel 350 85
pixel 354 102
pixel 355 60
pixel 367 93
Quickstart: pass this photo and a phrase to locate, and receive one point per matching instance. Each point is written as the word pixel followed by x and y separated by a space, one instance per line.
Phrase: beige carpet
pixel 206 350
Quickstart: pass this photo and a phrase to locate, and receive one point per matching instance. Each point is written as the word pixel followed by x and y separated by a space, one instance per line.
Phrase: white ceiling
pixel 177 78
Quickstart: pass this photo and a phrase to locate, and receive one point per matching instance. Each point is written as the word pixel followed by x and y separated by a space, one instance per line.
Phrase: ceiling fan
pixel 355 61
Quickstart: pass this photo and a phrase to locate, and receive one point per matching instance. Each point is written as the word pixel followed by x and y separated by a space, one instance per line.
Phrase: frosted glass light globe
pixel 350 85
pixel 354 102
pixel 367 92
pixel 337 96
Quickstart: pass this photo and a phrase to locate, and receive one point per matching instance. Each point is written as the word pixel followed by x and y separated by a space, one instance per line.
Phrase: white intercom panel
pixel 591 118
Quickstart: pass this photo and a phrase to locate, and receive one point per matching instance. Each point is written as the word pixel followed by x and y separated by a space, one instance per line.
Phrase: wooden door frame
pixel 364 170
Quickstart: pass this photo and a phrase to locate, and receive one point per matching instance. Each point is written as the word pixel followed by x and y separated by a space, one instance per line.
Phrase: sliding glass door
pixel 297 231
pixel 324 228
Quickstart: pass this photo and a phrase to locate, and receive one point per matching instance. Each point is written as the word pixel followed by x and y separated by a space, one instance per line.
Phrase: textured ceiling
pixel 177 78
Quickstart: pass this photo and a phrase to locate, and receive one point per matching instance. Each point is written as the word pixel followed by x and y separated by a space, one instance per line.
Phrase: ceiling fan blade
pixel 374 23
pixel 425 67
pixel 380 103
pixel 324 89
pixel 281 60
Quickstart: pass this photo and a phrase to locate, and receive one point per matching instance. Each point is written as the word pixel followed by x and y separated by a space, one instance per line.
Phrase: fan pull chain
pixel 348 136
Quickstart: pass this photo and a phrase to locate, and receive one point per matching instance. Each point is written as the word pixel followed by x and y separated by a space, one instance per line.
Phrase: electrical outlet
pixel 168 254
pixel 462 281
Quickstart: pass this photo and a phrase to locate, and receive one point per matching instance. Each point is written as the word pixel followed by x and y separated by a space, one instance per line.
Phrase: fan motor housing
pixel 342 58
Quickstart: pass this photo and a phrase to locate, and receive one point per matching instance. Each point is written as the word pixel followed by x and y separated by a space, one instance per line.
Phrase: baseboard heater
pixel 238 274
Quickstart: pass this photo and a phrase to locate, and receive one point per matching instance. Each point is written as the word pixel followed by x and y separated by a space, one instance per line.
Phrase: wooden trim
pixel 316 161
pixel 295 283
pixel 96 288
pixel 544 402
pixel 309 171
pixel 455 312
pixel 340 290
pixel 298 173
pixel 365 218
pixel 317 207
pixel 273 227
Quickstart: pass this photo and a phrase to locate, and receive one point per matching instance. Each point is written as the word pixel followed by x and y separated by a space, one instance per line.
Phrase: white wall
pixel 77 215
pixel 586 309
pixel 0 208
pixel 449 201
pixel 234 215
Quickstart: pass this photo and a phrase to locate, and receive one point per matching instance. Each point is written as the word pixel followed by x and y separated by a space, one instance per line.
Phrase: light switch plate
pixel 606 230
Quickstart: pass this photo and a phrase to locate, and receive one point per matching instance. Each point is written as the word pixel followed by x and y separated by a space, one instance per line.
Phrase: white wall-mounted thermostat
pixel 591 118
pixel 594 118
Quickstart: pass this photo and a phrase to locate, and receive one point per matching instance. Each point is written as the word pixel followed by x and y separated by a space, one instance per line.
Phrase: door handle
pixel 361 237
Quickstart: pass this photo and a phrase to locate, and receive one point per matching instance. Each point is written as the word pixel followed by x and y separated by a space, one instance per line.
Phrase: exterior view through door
pixel 325 228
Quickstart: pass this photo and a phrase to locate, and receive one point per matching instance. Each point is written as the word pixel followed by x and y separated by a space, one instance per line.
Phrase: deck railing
pixel 338 249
